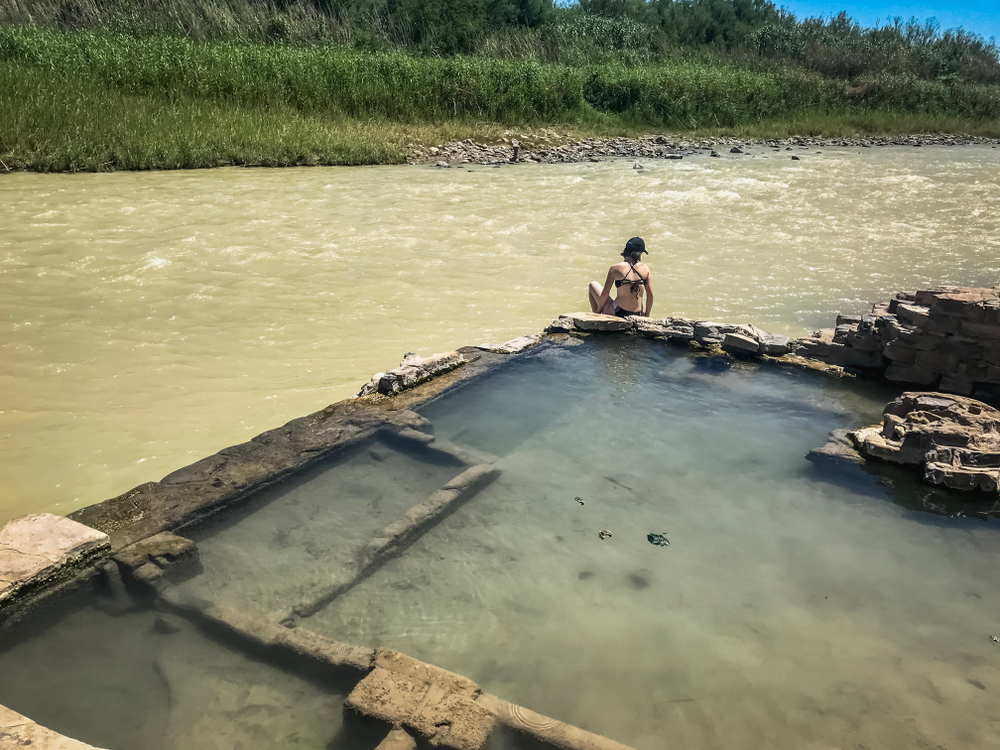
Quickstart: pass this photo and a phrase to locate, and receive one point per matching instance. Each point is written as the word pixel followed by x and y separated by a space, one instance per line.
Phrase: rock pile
pixel 547 151
pixel 946 338
pixel 955 440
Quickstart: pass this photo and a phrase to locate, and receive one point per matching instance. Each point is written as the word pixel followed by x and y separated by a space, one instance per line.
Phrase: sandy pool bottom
pixel 789 610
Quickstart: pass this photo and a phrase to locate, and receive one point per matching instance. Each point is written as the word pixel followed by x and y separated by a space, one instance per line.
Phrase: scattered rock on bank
pixel 956 440
pixel 548 150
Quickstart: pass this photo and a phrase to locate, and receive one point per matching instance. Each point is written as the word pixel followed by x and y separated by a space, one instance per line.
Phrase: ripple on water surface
pixel 148 319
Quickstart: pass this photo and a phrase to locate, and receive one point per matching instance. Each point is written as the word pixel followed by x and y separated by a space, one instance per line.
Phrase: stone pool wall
pixel 946 338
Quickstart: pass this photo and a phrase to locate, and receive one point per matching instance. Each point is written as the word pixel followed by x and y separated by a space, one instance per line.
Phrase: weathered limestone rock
pixel 741 345
pixel 956 440
pixel 774 345
pixel 652 328
pixel 413 371
pixel 18 732
pixel 43 549
pixel 163 556
pixel 708 333
pixel 514 346
pixel 588 321
pixel 946 338
pixel 437 706
pixel 680 331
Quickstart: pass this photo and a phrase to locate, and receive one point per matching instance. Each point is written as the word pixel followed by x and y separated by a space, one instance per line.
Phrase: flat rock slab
pixel 741 345
pixel 43 549
pixel 18 732
pixel 514 346
pixel 435 705
pixel 588 321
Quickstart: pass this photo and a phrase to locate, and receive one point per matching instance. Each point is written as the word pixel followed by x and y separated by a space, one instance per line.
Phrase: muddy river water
pixel 147 320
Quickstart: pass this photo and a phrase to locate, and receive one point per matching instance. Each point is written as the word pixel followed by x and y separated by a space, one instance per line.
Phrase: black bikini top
pixel 634 284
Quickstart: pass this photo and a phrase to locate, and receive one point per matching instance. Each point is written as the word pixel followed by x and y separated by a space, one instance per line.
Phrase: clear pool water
pixel 795 607
pixel 788 611
pixel 145 681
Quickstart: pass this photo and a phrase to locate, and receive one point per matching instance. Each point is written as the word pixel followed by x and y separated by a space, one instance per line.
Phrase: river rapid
pixel 150 319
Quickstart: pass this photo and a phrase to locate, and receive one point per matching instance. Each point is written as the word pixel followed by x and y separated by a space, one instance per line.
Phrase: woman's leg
pixel 595 294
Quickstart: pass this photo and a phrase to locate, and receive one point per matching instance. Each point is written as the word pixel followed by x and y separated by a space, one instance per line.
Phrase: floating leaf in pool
pixel 659 540
pixel 579 500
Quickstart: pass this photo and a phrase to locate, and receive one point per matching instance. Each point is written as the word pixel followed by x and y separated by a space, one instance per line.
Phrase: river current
pixel 149 319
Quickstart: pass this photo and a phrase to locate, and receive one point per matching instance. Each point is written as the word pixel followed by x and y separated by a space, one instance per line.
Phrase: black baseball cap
pixel 635 246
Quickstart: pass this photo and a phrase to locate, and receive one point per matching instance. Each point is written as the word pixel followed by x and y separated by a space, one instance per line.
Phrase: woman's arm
pixel 606 292
pixel 649 292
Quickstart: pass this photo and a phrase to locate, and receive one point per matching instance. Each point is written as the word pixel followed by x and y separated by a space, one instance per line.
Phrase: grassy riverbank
pixel 101 100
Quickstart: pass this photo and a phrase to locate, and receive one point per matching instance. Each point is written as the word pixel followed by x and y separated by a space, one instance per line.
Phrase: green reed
pixel 91 100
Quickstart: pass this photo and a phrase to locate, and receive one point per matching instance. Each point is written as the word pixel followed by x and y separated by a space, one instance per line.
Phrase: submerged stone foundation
pixel 948 337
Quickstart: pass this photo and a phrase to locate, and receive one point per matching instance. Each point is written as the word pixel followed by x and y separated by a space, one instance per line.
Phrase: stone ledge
pixel 18 732
pixel 747 339
pixel 41 550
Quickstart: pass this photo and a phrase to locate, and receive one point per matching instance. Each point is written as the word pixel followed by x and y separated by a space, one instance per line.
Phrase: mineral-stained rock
pixel 437 706
pixel 956 440
pixel 413 371
pixel 162 556
pixel 43 549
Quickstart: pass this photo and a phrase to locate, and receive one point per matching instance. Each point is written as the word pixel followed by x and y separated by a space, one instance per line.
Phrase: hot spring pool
pixel 795 607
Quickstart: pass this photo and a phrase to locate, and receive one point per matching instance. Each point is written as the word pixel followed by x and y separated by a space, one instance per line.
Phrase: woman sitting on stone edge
pixel 632 274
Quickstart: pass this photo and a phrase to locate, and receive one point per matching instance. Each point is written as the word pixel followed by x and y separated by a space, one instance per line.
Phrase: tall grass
pixel 397 86
pixel 87 100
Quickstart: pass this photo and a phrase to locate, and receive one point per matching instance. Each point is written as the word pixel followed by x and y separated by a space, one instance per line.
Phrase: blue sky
pixel 979 16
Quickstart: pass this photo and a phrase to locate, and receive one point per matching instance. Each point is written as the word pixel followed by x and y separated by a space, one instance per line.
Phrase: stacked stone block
pixel 946 338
